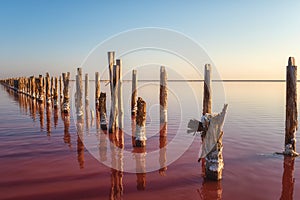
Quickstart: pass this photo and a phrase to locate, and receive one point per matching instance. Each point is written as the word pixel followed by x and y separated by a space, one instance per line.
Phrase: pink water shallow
pixel 41 159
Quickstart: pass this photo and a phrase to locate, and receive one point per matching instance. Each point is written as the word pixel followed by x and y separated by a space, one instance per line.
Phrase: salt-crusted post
pixel 140 133
pixel 97 88
pixel 86 88
pixel 207 95
pixel 120 95
pixel 111 63
pixel 291 121
pixel 66 101
pixel 102 110
pixel 134 93
pixel 79 88
pixel 48 89
pixel 55 93
pixel 163 97
pixel 32 80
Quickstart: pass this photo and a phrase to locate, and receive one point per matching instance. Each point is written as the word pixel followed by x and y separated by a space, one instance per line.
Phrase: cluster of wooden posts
pixel 54 91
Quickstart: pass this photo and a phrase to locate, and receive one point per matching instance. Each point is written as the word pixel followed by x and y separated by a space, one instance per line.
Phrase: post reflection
pixel 67 137
pixel 162 149
pixel 140 167
pixel 48 119
pixel 116 148
pixel 288 180
pixel 80 146
pixel 211 190
pixel 55 116
pixel 41 114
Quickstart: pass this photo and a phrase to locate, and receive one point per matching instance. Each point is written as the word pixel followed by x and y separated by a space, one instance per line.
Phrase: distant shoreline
pixel 202 80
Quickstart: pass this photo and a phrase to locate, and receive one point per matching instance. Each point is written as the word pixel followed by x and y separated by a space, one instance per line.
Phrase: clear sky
pixel 245 39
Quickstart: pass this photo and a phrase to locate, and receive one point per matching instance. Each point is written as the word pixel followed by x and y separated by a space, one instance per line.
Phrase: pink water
pixel 42 158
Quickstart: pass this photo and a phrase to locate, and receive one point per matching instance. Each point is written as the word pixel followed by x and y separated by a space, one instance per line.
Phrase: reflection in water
pixel 55 116
pixel 140 167
pixel 162 149
pixel 41 113
pixel 67 137
pixel 80 146
pixel 288 180
pixel 116 147
pixel 48 119
pixel 211 190
pixel 33 109
pixel 87 117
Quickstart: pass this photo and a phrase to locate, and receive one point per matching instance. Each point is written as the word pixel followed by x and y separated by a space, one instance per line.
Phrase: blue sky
pixel 245 39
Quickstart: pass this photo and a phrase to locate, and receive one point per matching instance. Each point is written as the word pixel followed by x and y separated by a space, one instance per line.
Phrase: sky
pixel 244 39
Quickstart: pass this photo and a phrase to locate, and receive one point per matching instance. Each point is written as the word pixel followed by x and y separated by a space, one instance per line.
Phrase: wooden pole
pixel 48 89
pixel 55 93
pixel 86 88
pixel 111 63
pixel 79 88
pixel 33 94
pixel 163 97
pixel 66 101
pixel 207 96
pixel 134 93
pixel 60 88
pixel 41 89
pixel 120 95
pixel 140 133
pixel 97 88
pixel 291 123
pixel 113 121
pixel 102 110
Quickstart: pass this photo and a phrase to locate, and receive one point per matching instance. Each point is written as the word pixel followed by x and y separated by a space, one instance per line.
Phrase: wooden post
pixel 113 120
pixel 52 87
pixel 134 93
pixel 111 63
pixel 207 95
pixel 163 97
pixel 86 88
pixel 291 122
pixel 60 88
pixel 66 101
pixel 48 89
pixel 97 88
pixel 79 88
pixel 55 93
pixel 140 133
pixel 33 94
pixel 102 110
pixel 120 94
pixel 41 89
pixel 163 150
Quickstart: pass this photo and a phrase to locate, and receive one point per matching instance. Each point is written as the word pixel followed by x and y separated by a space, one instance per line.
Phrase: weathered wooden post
pixel 33 94
pixel 140 133
pixel 66 101
pixel 79 93
pixel 86 88
pixel 102 110
pixel 48 89
pixel 97 88
pixel 111 63
pixel 113 120
pixel 60 88
pixel 291 121
pixel 41 89
pixel 55 93
pixel 163 97
pixel 52 87
pixel 207 95
pixel 163 150
pixel 134 93
pixel 120 94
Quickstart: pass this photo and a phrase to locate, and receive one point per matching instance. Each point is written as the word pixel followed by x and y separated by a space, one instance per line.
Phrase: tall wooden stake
pixel 134 93
pixel 120 95
pixel 55 93
pixel 207 96
pixel 79 88
pixel 66 101
pixel 163 97
pixel 291 123
pixel 102 110
pixel 48 89
pixel 97 88
pixel 86 88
